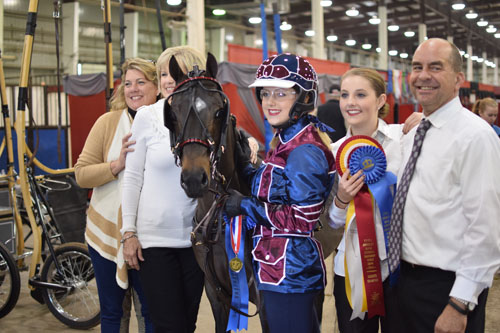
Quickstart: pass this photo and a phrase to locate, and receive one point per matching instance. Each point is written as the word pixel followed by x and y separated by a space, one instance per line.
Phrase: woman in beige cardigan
pixel 100 167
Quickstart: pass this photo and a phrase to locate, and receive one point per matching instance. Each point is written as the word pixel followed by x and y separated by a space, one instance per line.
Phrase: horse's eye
pixel 200 104
pixel 220 113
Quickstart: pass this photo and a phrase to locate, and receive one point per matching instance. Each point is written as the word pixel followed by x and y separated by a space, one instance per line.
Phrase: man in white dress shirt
pixel 450 246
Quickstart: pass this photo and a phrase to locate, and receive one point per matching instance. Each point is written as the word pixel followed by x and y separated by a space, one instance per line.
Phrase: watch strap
pixel 458 308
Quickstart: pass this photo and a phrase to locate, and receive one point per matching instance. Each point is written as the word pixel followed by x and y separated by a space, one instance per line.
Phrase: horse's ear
pixel 211 67
pixel 174 69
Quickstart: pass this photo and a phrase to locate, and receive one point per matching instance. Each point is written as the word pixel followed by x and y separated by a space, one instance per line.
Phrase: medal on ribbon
pixel 235 246
pixel 365 153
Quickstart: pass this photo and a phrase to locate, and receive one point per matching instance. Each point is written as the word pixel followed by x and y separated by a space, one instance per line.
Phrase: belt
pixel 409 268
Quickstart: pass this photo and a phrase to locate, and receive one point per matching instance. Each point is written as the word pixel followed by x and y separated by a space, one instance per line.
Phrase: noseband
pixel 196 79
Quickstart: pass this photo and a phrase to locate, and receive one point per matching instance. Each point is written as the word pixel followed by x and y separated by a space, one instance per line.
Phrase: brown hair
pixel 481 104
pixel 376 82
pixel 146 67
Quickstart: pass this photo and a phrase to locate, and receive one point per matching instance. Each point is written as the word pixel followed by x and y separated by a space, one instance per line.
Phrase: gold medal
pixel 235 264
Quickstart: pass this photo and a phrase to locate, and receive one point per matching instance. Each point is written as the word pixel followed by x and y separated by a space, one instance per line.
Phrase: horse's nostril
pixel 204 180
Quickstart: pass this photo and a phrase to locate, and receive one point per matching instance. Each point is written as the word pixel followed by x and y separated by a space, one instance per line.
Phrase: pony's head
pixel 197 115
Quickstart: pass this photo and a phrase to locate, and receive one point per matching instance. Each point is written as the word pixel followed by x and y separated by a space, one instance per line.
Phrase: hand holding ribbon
pixel 349 187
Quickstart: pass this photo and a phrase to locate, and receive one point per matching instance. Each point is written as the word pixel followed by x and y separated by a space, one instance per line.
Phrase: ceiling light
pixel 310 33
pixel 393 27
pixel 497 35
pixel 462 52
pixel 285 26
pixel 366 46
pixel 352 12
pixel 284 45
pixel 332 38
pixel 230 37
pixel 466 56
pixel 374 20
pixel 458 5
pixel 325 3
pixel 471 15
pixel 491 29
pixel 403 55
pixel 409 33
pixel 350 42
pixel 482 23
pixel 393 53
pixel 378 49
pixel 258 42
pixel 473 58
pixel 174 2
pixel 480 59
pixel 218 12
pixel 255 20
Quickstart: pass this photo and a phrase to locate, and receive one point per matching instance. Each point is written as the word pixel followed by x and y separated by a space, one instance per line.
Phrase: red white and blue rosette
pixel 365 153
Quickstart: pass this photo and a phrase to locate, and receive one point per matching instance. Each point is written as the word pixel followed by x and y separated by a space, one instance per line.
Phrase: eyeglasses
pixel 278 94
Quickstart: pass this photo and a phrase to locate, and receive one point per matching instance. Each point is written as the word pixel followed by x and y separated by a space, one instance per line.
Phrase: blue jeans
pixel 111 295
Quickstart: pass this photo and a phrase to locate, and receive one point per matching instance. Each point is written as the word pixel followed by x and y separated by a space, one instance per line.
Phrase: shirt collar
pixel 439 117
pixel 380 133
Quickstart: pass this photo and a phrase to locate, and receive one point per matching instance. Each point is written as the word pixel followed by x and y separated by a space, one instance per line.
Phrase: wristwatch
pixel 469 306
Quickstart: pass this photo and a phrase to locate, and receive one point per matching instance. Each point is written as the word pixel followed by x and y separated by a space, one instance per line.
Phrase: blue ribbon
pixel 319 124
pixel 382 184
pixel 239 298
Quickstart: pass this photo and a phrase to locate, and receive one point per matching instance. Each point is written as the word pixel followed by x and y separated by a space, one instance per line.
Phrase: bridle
pixel 196 79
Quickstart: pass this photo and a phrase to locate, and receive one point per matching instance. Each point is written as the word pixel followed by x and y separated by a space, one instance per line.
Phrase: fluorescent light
pixel 473 58
pixel 480 59
pixel 393 27
pixel 174 2
pixel 458 5
pixel 409 33
pixel 491 29
pixel 79 68
pixel 378 49
pixel 350 42
pixel 255 20
pixel 325 3
pixel 332 38
pixel 366 46
pixel 497 35
pixel 310 33
pixel 482 23
pixel 285 26
pixel 352 12
pixel 218 12
pixel 374 20
pixel 471 15
pixel 403 55
pixel 393 53
pixel 230 37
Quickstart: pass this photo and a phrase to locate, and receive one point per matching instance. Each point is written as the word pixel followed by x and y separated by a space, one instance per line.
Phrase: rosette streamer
pixel 365 153
pixel 235 247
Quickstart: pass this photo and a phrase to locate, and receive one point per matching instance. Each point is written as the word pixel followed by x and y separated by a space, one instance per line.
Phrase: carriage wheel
pixel 77 307
pixel 10 281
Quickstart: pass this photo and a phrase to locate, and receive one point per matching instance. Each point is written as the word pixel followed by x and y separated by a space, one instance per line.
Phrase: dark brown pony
pixel 203 138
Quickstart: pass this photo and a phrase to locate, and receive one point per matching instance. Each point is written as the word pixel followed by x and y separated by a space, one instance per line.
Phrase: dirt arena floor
pixel 30 316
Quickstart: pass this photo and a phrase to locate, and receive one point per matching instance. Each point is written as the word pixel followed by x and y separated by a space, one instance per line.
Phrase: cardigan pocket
pixel 270 253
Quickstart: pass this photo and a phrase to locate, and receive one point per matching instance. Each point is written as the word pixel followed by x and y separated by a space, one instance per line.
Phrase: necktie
pixel 395 234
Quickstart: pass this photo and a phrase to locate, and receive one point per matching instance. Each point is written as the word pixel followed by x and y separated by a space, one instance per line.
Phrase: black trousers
pixel 423 293
pixel 390 323
pixel 173 284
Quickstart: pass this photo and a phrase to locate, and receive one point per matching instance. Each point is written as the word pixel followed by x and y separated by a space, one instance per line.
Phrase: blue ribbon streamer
pixel 239 298
pixel 382 184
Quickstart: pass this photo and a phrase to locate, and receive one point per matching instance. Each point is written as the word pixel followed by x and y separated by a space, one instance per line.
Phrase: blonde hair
pixel 185 56
pixel 481 104
pixel 146 67
pixel 376 82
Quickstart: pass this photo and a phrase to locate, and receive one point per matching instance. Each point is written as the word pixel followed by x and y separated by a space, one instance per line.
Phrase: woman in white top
pixel 363 105
pixel 157 214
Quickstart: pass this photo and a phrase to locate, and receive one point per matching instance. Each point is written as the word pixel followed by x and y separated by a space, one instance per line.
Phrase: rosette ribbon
pixel 365 153
pixel 235 248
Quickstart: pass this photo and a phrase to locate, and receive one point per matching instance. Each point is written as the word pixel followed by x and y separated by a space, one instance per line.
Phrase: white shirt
pixel 390 137
pixel 453 203
pixel 153 202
